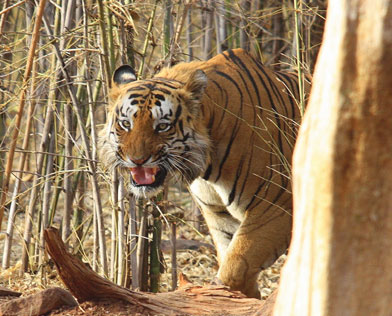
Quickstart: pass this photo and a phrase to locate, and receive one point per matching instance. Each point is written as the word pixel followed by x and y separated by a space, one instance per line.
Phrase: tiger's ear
pixel 196 84
pixel 124 74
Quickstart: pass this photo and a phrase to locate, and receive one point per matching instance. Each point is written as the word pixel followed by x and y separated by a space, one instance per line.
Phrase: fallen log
pixel 87 285
pixel 38 303
pixel 7 292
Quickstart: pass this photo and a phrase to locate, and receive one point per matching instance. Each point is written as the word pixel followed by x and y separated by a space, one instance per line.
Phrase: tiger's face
pixel 155 130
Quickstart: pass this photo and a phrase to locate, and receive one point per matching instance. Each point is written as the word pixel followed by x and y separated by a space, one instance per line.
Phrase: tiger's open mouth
pixel 147 177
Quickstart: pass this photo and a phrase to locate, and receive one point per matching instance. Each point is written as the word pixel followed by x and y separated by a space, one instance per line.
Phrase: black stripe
pixel 177 115
pixel 159 97
pixel 271 103
pixel 181 126
pixel 239 198
pixel 238 174
pixel 239 63
pixel 135 95
pixel 235 128
pixel 223 104
pixel 207 174
pixel 262 184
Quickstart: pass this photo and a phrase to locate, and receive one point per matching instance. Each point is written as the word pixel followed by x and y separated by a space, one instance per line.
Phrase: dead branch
pixel 85 284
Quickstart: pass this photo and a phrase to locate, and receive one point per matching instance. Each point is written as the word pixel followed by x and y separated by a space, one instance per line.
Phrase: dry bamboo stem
pixel 174 255
pixel 132 240
pixel 217 30
pixel 146 40
pixel 22 100
pixel 208 31
pixel 34 192
pixel 46 199
pixel 86 145
pixel 104 42
pixel 141 251
pixel 4 12
pixel 68 164
pixel 244 37
pixel 120 232
pixel 299 59
pixel 180 25
pixel 19 175
pixel 113 250
pixel 46 203
pixel 189 34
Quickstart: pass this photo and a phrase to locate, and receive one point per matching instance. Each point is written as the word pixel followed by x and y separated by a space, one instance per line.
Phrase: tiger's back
pixel 245 116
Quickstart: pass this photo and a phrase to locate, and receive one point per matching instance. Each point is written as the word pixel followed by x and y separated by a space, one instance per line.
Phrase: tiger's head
pixel 155 129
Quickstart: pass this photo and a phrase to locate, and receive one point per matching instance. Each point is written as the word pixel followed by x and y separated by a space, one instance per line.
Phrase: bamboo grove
pixel 56 61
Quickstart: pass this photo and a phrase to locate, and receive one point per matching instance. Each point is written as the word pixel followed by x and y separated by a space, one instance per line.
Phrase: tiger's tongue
pixel 143 175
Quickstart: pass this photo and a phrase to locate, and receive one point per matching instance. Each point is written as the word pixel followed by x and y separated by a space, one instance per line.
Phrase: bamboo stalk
pixel 244 37
pixel 22 100
pixel 19 174
pixel 46 199
pixel 104 43
pixel 167 28
pixel 220 24
pixel 148 35
pixel 85 141
pixel 155 263
pixel 4 12
pixel 179 26
pixel 173 238
pixel 68 7
pixel 217 30
pixel 207 52
pixel 133 241
pixel 299 60
pixel 113 251
pixel 29 217
pixel 140 279
pixel 111 48
pixel 79 212
pixel 189 34
pixel 121 231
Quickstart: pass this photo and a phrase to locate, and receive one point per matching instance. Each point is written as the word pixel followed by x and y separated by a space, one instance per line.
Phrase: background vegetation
pixel 56 61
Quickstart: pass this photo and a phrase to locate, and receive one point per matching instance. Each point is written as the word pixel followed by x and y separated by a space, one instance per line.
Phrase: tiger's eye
pixel 125 124
pixel 162 127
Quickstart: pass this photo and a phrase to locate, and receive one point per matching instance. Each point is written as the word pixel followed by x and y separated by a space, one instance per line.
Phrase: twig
pixel 5 10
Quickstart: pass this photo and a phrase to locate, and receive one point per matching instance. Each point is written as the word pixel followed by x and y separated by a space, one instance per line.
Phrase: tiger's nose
pixel 139 161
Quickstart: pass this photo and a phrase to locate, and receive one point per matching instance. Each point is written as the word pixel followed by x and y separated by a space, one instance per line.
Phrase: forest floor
pixel 199 266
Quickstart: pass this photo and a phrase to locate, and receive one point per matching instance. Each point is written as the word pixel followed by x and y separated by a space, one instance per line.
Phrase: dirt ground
pixel 199 266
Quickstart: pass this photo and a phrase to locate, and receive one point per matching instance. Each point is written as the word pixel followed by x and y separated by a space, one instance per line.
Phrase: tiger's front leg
pixel 221 225
pixel 261 238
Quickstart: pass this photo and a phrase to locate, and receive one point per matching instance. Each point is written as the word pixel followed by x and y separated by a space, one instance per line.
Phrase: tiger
pixel 225 127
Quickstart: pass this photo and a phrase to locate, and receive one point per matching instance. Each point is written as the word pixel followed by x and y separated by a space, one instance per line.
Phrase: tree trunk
pixel 339 261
